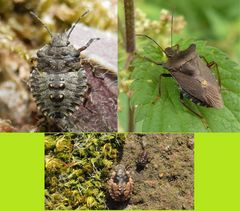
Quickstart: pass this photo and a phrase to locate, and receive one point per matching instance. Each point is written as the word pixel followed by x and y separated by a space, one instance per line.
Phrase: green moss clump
pixel 76 169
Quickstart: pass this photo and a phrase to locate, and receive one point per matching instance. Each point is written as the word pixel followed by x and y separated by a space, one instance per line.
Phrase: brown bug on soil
pixel 120 185
pixel 58 81
pixel 142 160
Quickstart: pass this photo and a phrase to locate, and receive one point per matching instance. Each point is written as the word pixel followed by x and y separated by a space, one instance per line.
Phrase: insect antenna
pixel 71 29
pixel 45 26
pixel 144 35
pixel 172 29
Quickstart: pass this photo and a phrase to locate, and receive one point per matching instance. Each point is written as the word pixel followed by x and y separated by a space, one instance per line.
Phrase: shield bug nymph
pixel 120 185
pixel 58 81
pixel 193 75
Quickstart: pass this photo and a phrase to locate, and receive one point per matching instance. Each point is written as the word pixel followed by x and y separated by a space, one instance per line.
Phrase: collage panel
pixel 216 176
pixel 58 66
pixel 178 69
pixel 119 171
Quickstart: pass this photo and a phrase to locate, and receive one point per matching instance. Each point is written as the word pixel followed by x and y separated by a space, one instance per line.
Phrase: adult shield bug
pixel 193 75
pixel 58 81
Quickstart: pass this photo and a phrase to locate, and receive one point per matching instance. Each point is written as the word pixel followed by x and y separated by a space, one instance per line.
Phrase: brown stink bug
pixel 193 75
pixel 120 185
pixel 58 81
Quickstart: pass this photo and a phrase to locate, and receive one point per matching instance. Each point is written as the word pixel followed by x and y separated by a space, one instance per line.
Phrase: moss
pixel 76 167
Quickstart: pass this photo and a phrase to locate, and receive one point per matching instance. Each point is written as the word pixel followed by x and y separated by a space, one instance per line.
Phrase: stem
pixel 129 25
pixel 130 48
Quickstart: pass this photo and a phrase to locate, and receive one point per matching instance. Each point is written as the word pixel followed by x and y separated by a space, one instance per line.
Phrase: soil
pixel 167 180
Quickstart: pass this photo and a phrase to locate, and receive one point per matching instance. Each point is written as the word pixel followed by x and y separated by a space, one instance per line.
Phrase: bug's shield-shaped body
pixel 58 83
pixel 120 185
pixel 57 95
pixel 194 77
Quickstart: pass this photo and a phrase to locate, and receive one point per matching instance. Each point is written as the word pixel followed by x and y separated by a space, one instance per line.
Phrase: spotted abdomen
pixel 58 95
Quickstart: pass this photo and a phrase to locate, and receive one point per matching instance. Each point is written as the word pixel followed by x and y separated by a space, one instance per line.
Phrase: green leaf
pixel 153 52
pixel 166 113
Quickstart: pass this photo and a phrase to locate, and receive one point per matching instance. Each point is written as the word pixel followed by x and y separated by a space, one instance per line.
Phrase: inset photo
pixel 58 66
pixel 101 171
pixel 179 66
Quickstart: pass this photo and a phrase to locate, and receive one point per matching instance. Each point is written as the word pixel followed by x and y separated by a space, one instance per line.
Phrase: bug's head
pixel 171 52
pixel 121 174
pixel 120 169
pixel 60 40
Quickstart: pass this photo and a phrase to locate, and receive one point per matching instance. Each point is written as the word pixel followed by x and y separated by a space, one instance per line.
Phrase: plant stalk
pixel 130 49
pixel 129 25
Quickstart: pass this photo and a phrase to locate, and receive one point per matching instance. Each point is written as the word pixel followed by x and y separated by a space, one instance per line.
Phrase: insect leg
pixel 212 64
pixel 88 44
pixel 42 125
pixel 194 112
pixel 88 99
pixel 94 72
pixel 98 75
pixel 165 75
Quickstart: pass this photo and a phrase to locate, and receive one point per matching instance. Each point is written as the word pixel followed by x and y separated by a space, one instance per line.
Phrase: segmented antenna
pixel 144 35
pixel 71 29
pixel 34 15
pixel 171 28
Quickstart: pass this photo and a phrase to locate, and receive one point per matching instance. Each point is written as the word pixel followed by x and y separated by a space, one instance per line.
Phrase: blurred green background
pixel 216 21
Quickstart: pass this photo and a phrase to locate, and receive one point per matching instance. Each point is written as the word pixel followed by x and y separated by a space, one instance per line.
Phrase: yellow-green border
pixel 217 174
pixel 21 172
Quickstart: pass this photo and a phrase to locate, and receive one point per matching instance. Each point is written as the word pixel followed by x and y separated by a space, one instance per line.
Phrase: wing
pixel 196 79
